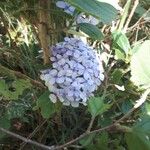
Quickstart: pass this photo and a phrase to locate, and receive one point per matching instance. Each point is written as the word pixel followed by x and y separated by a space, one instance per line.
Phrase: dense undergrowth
pixel 116 118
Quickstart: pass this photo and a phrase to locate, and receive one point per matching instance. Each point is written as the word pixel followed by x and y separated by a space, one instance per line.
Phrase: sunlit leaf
pixel 139 137
pixel 140 61
pixel 96 106
pixel 120 44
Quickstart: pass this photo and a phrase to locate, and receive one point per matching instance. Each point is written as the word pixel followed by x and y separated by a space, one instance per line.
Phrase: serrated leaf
pixel 87 140
pixel 121 42
pixel 18 87
pixel 140 135
pixel 116 76
pixel 91 30
pixel 96 106
pixel 137 141
pixel 104 11
pixel 17 109
pixel 45 105
pixel 102 141
pixel 140 61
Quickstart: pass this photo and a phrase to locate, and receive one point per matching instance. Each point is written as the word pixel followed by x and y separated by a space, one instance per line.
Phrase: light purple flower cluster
pixel 67 7
pixel 81 18
pixel 76 72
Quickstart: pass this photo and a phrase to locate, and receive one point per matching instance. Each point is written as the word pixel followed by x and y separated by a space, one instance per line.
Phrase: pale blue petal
pixel 60 80
pixel 51 81
pixel 75 104
pixel 90 82
pixel 55 65
pixel 66 103
pixel 53 98
pixel 82 95
pixel 69 53
pixel 53 59
pixel 80 80
pixel 67 39
pixel 68 11
pixel 61 73
pixel 86 76
pixel 76 54
pixel 70 93
pixel 61 4
pixel 61 99
pixel 80 72
pixel 62 61
pixel 70 98
pixel 53 72
pixel 69 72
pixel 66 66
pixel 102 77
pixel 58 56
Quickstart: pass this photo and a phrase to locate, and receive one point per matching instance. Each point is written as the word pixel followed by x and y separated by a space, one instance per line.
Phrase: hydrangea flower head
pixel 75 74
pixel 67 7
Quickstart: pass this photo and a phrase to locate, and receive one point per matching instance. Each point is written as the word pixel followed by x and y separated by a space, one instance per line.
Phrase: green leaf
pixel 137 141
pixel 140 70
pixel 142 12
pixel 121 42
pixel 4 123
pixel 126 106
pixel 87 140
pixel 116 76
pixel 46 106
pixel 91 30
pixel 98 142
pixel 147 108
pixel 18 86
pixel 104 11
pixel 96 106
pixel 119 55
pixel 139 137
pixel 102 141
pixel 143 125
pixel 17 109
pixel 71 31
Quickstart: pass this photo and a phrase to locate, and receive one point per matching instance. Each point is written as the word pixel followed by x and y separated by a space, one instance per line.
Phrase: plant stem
pixel 136 2
pixel 124 15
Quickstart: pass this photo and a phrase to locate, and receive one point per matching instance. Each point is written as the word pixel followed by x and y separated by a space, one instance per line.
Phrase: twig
pixel 136 2
pixel 76 146
pixel 82 136
pixel 137 105
pixel 5 70
pixel 91 124
pixel 138 22
pixel 26 140
pixel 32 134
pixel 124 15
